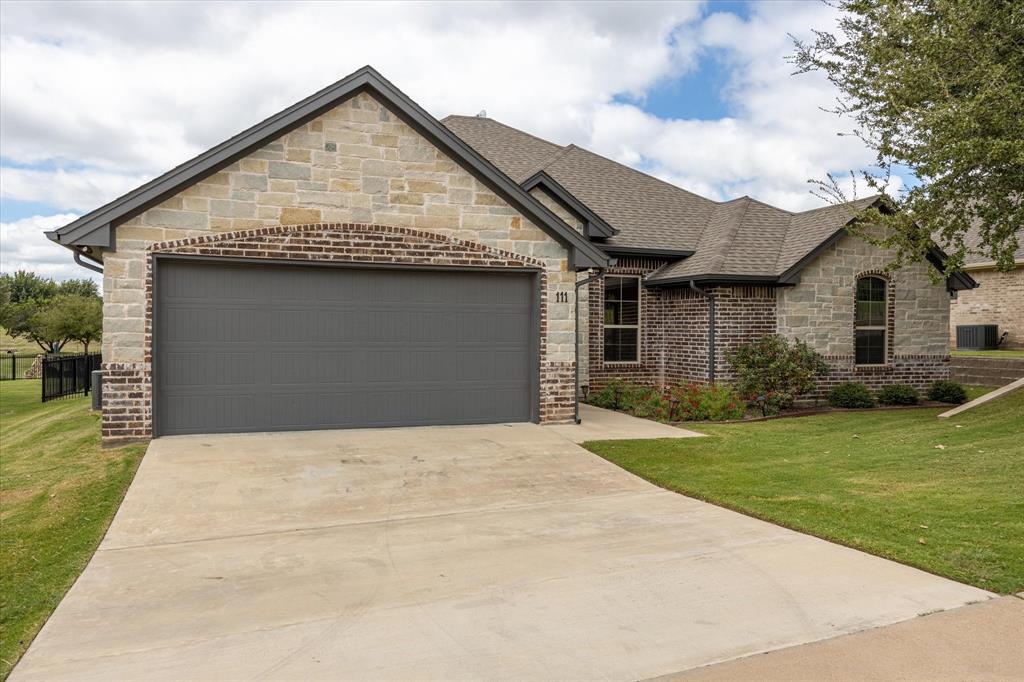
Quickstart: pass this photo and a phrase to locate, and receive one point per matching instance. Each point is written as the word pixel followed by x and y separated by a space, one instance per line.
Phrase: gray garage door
pixel 268 347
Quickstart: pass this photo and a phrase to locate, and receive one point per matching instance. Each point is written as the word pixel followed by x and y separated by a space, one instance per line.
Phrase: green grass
pixel 876 481
pixel 977 391
pixel 58 491
pixel 990 353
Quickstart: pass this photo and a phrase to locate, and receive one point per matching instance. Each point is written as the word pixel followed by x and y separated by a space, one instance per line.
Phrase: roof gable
pixel 96 228
pixel 594 225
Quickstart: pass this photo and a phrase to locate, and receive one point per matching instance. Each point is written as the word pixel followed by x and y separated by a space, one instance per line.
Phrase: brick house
pixel 352 261
pixel 998 298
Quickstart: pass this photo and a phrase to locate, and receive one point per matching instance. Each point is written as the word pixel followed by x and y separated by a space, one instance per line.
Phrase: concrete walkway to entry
pixel 480 552
pixel 598 424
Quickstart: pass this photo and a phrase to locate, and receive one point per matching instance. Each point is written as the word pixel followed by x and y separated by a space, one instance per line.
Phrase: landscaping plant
pixel 898 394
pixel 773 373
pixel 851 394
pixel 706 402
pixel 947 392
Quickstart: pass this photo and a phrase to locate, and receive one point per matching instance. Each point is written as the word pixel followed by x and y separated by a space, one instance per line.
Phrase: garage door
pixel 269 347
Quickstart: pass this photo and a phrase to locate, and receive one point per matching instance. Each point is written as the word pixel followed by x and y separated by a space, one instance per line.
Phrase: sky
pixel 95 99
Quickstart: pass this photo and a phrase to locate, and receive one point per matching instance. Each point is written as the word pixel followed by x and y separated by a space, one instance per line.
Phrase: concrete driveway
pixel 428 553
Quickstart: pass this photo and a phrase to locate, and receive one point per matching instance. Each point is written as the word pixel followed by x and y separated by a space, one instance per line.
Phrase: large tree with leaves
pixel 936 86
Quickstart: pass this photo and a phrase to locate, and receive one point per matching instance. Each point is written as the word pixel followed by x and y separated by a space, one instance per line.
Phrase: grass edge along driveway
pixel 945 496
pixel 58 492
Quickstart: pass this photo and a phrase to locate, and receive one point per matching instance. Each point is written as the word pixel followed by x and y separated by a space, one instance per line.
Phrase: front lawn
pixel 946 496
pixel 58 491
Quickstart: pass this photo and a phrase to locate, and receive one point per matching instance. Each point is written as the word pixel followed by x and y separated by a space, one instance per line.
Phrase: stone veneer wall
pixel 998 300
pixel 357 164
pixel 820 311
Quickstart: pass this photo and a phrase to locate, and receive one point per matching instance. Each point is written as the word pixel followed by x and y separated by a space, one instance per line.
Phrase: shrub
pixel 898 394
pixel 642 401
pixel 646 402
pixel 706 402
pixel 773 369
pixel 851 394
pixel 606 396
pixel 947 392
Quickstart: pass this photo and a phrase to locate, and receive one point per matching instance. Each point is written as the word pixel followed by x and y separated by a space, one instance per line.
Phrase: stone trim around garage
pixel 127 395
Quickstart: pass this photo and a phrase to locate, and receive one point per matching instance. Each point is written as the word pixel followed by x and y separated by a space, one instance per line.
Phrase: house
pixel 998 298
pixel 352 261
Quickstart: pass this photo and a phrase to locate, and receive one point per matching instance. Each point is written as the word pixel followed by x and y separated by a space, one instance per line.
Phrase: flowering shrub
pixel 773 373
pixel 698 402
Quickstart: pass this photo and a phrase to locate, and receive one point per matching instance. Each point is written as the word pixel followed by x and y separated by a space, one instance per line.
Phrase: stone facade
pixel 356 167
pixel 998 300
pixel 819 310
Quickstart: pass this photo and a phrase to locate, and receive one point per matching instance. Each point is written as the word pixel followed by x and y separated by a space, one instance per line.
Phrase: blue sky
pixel 95 99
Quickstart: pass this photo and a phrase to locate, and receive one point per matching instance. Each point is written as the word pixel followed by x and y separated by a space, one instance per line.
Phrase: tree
pixel 24 320
pixel 936 86
pixel 28 286
pixel 78 287
pixel 48 313
pixel 70 318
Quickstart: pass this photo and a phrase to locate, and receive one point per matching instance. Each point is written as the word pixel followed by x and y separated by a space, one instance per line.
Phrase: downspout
pixel 711 329
pixel 576 382
pixel 89 266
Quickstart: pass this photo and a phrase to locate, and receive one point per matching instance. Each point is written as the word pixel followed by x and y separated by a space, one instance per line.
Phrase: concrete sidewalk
pixel 978 642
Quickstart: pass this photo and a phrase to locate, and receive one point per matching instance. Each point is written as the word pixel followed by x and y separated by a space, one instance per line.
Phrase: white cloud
pixel 23 246
pixel 98 97
pixel 79 190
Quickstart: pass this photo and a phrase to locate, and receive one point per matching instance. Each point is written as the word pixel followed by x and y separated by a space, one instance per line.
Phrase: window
pixel 869 325
pixel 621 319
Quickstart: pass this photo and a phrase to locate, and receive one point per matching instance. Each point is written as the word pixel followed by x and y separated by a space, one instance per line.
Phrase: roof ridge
pixel 873 197
pixel 718 259
pixel 640 172
pixel 548 162
pixel 504 125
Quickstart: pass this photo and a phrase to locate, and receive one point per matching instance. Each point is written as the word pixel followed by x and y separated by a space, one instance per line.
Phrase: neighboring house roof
pixel 96 227
pixel 976 258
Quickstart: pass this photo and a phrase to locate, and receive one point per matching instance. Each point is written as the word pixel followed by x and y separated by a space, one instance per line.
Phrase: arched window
pixel 870 321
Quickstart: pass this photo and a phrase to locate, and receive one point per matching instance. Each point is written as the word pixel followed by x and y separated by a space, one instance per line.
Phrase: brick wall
pixel 649 369
pixel 998 300
pixel 918 371
pixel 674 329
pixel 357 164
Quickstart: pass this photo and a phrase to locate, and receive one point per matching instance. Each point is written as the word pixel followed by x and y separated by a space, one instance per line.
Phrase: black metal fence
pixel 13 366
pixel 67 375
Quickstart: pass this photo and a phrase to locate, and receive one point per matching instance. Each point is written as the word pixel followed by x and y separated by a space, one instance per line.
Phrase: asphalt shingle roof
pixel 742 237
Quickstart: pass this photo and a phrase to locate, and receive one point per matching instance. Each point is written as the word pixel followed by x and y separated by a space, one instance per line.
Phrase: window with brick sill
pixel 870 327
pixel 621 319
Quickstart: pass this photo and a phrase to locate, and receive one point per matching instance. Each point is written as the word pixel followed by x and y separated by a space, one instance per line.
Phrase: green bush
pixel 851 394
pixel 699 402
pixel 898 394
pixel 947 392
pixel 641 401
pixel 772 373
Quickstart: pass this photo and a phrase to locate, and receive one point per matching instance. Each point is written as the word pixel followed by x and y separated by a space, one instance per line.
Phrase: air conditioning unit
pixel 977 336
